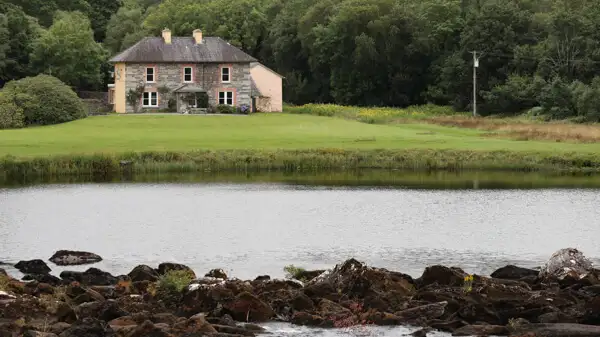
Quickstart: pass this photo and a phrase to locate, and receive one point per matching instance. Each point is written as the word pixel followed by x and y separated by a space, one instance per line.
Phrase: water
pixel 252 229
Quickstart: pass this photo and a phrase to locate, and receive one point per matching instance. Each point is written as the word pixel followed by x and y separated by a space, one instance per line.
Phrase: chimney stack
pixel 166 34
pixel 198 36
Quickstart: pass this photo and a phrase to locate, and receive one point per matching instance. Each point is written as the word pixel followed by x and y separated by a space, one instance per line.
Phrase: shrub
pixel 11 115
pixel 245 109
pixel 225 109
pixel 171 285
pixel 293 271
pixel 45 100
pixel 134 96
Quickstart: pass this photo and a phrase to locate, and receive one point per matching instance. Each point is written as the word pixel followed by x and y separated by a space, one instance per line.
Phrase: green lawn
pixel 118 134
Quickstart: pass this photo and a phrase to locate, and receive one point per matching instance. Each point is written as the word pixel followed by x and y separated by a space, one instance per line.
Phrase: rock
pixel 428 311
pixel 149 329
pixel 73 258
pixel 205 295
pixel 143 273
pixel 122 321
pixel 254 327
pixel 32 333
pixel 59 327
pixel 262 278
pixel 481 330
pixel 443 276
pixel 105 311
pixel 89 295
pixel 304 318
pixel 43 278
pixel 308 275
pixel 194 324
pixel 556 330
pixel 33 267
pixel 166 267
pixel 247 307
pixel 566 262
pixel 421 332
pixel 3 272
pixel 88 327
pixel 355 279
pixel 511 272
pixel 234 330
pixel 301 302
pixel 217 273
pixel 92 276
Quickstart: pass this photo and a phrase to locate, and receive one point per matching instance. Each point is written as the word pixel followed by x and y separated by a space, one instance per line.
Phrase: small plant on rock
pixel 468 283
pixel 294 272
pixel 170 286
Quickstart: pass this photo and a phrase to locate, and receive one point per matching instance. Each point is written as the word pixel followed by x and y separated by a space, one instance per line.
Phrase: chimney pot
pixel 166 34
pixel 198 36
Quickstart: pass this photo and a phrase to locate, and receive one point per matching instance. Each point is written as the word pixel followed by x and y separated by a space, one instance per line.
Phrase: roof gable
pixel 182 50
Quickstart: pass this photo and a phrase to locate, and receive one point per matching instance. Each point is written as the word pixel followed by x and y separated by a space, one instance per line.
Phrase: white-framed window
pixel 188 76
pixel 226 97
pixel 150 99
pixel 226 74
pixel 150 74
pixel 191 101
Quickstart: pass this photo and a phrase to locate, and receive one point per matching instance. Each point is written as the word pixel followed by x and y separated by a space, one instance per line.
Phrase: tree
pixel 68 51
pixel 17 34
pixel 101 12
pixel 44 10
pixel 124 29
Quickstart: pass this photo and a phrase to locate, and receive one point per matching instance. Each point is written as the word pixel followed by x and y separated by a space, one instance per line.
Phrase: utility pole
pixel 475 66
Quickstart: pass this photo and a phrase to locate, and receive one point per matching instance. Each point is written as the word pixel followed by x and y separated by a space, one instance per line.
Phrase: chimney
pixel 198 36
pixel 166 34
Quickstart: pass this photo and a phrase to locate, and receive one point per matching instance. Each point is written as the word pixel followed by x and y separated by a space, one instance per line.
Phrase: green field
pixel 116 134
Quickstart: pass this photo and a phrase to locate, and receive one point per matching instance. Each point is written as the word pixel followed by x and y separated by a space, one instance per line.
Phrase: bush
pixel 45 100
pixel 226 109
pixel 293 271
pixel 171 285
pixel 11 115
pixel 519 93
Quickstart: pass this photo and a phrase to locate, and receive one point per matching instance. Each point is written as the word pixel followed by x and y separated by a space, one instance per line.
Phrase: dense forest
pixel 540 54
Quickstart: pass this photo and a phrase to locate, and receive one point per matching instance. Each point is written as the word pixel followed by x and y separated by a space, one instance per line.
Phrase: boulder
pixel 481 330
pixel 511 272
pixel 33 267
pixel 442 276
pixel 246 307
pixel 217 273
pixel 74 258
pixel 205 295
pixel 195 324
pixel 355 279
pixel 304 318
pixel 147 329
pixel 567 262
pixel 33 333
pixel 143 273
pixel 43 278
pixel 166 267
pixel 556 330
pixel 92 277
pixel 105 311
pixel 428 311
pixel 88 327
pixel 3 272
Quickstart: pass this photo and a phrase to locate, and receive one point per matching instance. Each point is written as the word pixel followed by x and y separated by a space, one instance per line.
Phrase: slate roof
pixel 182 50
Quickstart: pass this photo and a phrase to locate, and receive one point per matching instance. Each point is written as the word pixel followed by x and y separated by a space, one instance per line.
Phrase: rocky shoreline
pixel 560 299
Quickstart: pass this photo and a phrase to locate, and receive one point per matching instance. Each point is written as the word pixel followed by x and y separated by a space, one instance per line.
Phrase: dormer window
pixel 226 74
pixel 150 75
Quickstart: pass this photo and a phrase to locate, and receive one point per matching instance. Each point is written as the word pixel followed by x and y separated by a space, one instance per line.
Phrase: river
pixel 257 228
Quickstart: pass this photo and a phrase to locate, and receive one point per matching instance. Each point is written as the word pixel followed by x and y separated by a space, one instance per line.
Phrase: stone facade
pixel 206 75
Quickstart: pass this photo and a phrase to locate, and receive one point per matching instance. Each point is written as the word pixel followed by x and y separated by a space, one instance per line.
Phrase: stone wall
pixel 207 76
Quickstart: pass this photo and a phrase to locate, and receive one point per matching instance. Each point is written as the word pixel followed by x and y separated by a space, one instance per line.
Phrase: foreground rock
pixel 74 258
pixel 33 267
pixel 514 301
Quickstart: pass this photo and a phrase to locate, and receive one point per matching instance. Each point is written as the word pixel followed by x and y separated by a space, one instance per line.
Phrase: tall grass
pixel 372 115
pixel 317 160
pixel 519 128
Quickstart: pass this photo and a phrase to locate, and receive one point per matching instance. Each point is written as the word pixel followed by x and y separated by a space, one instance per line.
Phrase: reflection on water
pixel 367 178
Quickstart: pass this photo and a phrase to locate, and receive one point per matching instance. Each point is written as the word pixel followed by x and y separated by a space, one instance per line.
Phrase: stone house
pixel 184 73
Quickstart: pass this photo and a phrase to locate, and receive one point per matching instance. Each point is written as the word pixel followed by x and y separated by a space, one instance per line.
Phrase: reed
pixel 316 160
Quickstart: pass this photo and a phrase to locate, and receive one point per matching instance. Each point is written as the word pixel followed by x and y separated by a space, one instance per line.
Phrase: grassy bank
pixel 521 127
pixel 285 142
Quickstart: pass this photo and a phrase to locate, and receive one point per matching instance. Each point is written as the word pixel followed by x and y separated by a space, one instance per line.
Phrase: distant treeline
pixel 541 54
